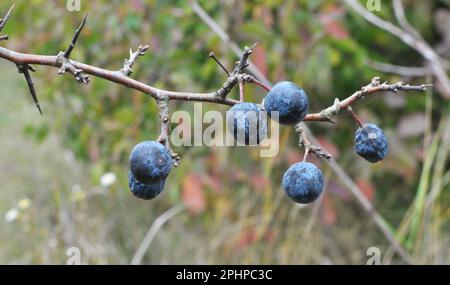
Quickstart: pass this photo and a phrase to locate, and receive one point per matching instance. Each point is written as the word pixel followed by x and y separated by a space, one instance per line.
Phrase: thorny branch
pixel 75 38
pixel 66 64
pixel 79 70
pixel 237 76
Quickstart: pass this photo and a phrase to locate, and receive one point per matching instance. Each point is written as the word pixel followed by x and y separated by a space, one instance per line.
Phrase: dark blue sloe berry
pixel 145 191
pixel 248 123
pixel 150 162
pixel 303 182
pixel 289 100
pixel 371 143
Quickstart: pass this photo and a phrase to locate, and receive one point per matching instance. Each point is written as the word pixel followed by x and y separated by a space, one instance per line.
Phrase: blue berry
pixel 145 191
pixel 289 100
pixel 248 123
pixel 150 162
pixel 303 182
pixel 371 143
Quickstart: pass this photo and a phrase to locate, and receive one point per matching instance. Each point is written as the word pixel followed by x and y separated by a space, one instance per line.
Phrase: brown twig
pixel 114 76
pixel 259 83
pixel 241 91
pixel 355 117
pixel 80 70
pixel 304 142
pixel 128 64
pixel 375 86
pixel 164 137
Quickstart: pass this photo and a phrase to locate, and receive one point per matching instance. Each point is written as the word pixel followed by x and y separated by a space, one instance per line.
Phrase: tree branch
pixel 116 77
pixel 375 86
pixel 128 64
pixel 220 97
pixel 164 137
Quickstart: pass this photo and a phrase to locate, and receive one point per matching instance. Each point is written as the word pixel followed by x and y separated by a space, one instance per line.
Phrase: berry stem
pixel 355 117
pixel 241 91
pixel 259 83
pixel 305 156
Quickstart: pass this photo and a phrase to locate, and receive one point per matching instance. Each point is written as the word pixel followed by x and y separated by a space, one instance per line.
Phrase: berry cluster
pixel 150 164
pixel 286 103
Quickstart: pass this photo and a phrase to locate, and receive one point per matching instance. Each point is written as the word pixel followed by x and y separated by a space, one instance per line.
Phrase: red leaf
pixel 259 59
pixel 213 182
pixel 329 215
pixel 337 189
pixel 411 125
pixel 330 19
pixel 246 238
pixel 259 182
pixel 137 5
pixel 294 156
pixel 328 146
pixel 192 194
pixel 367 188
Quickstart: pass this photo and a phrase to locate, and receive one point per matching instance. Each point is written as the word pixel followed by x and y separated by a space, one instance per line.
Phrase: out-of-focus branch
pixel 399 12
pixel 407 71
pixel 420 45
pixel 226 39
pixel 3 23
pixel 153 231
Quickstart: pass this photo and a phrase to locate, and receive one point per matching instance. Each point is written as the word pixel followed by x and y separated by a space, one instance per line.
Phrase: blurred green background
pixel 64 175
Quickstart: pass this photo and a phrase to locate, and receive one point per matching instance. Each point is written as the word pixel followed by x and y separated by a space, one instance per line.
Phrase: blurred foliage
pixel 317 44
